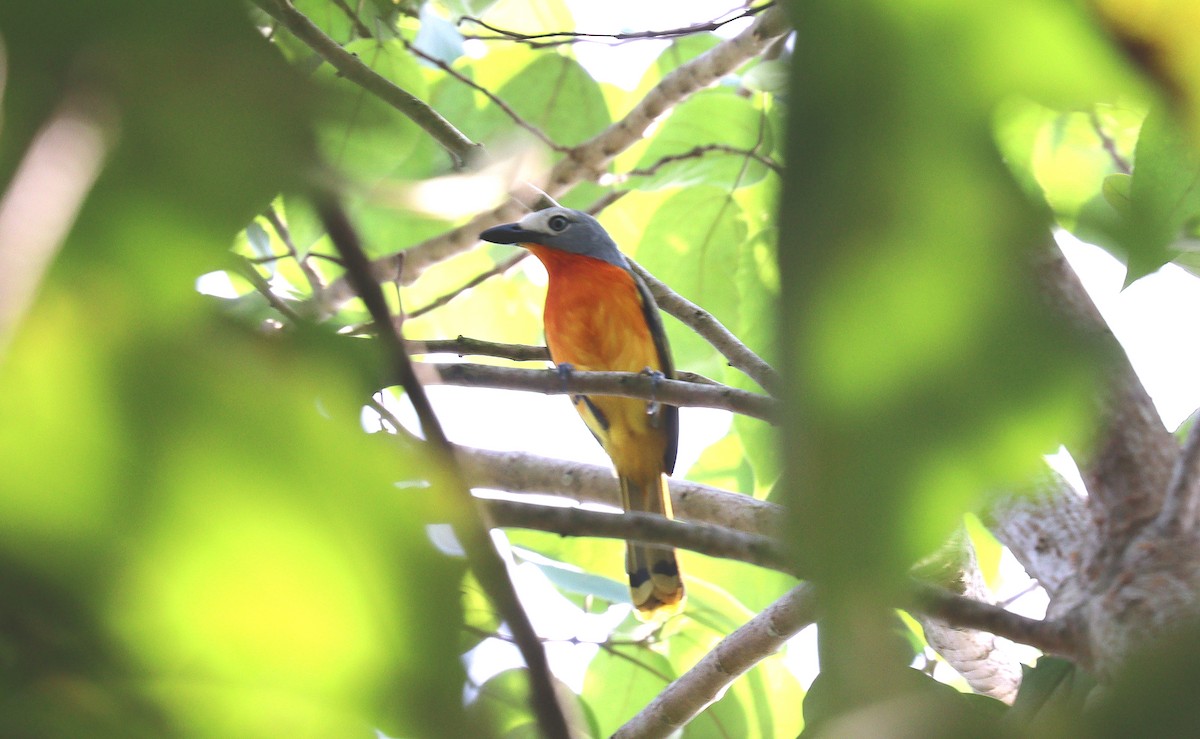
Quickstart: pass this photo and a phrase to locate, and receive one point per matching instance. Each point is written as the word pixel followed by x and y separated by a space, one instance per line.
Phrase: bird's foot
pixel 656 377
pixel 564 370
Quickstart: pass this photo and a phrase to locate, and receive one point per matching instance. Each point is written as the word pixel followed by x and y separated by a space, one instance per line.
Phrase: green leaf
pixel 624 679
pixel 692 243
pixel 363 136
pixel 1164 194
pixel 557 95
pixel 716 116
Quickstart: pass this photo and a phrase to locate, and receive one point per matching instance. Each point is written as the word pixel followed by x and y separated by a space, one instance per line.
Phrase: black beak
pixel 509 233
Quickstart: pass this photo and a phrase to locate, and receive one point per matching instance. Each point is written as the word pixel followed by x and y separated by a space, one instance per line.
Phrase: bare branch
pixel 697 152
pixel 621 384
pixel 711 330
pixel 246 269
pixel 463 346
pixel 988 667
pixel 693 691
pixel 649 528
pixel 352 68
pixel 285 235
pixel 520 472
pixel 558 38
pixel 1053 636
pixel 496 100
pixel 472 527
pixel 479 279
pixel 1110 146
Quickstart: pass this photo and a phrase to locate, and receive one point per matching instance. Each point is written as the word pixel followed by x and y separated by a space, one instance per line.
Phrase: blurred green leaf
pixel 623 679
pixel 1164 195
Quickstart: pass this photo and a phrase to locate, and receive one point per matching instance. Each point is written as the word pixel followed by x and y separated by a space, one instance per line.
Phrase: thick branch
pixel 1048 529
pixel 714 541
pixel 622 384
pixel 471 527
pixel 589 159
pixel 352 68
pixel 711 330
pixel 693 691
pixel 519 472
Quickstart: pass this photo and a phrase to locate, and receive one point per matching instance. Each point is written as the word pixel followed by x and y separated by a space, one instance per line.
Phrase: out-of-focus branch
pixel 472 527
pixel 558 38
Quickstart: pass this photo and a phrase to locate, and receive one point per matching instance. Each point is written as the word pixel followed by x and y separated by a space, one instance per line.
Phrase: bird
pixel 599 315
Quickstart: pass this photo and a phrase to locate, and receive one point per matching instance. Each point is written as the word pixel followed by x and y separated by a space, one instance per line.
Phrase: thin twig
pixel 473 529
pixel 695 153
pixel 359 27
pixel 352 68
pixel 463 346
pixel 1120 162
pixel 479 279
pixel 711 330
pixel 247 270
pixel 588 160
pixel 558 38
pixel 496 100
pixel 693 691
pixel 621 384
pixel 285 235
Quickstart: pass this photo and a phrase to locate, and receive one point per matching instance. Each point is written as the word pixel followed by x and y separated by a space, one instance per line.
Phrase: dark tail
pixel 655 585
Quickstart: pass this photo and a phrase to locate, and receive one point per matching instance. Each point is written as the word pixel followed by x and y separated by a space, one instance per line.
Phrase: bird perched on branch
pixel 599 315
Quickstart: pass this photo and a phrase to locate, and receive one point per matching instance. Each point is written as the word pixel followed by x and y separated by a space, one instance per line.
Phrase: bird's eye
pixel 557 223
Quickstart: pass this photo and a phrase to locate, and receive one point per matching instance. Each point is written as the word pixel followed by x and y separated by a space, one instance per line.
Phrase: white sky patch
pixel 1156 319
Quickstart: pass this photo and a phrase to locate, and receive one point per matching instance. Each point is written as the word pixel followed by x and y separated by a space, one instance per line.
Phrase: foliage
pixel 199 539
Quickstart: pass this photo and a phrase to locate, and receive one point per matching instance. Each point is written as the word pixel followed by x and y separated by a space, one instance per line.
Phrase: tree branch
pixel 649 528
pixel 711 330
pixel 1052 636
pixel 460 148
pixel 693 691
pixel 588 159
pixel 520 472
pixel 695 153
pixel 558 38
pixel 463 346
pixel 1048 529
pixel 988 667
pixel 472 527
pixel 621 384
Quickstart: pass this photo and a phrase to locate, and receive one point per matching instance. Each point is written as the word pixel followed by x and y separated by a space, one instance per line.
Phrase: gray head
pixel 560 228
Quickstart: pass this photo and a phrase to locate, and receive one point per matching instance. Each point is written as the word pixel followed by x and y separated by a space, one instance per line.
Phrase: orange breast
pixel 594 316
pixel 595 321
